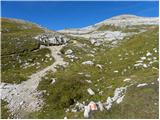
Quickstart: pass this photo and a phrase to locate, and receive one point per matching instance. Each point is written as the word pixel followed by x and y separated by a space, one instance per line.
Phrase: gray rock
pixel 100 106
pixel 21 103
pixel 88 81
pixel 86 112
pixel 68 52
pixel 141 85
pixel 53 80
pixel 87 63
pixel 90 91
pixel 52 38
pixel 99 66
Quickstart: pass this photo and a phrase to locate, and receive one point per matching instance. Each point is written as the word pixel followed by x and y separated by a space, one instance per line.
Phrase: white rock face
pixel 52 38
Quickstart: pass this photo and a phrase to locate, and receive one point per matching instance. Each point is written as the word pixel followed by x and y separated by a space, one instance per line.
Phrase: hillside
pixel 113 64
pixel 21 53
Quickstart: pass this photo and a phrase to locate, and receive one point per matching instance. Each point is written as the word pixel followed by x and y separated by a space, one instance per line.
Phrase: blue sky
pixel 60 15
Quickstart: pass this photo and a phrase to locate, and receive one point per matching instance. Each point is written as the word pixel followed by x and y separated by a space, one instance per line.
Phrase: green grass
pixel 72 86
pixel 16 39
pixel 13 67
pixel 4 110
pixel 140 103
pixel 108 27
pixel 18 47
pixel 134 28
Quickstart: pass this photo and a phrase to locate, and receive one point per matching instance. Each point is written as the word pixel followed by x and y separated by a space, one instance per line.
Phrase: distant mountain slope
pixel 118 21
pixel 113 29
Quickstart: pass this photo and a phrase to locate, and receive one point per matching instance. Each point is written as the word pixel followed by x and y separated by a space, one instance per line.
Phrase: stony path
pixel 24 98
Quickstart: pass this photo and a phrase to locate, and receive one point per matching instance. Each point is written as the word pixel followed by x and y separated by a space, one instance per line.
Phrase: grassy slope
pixel 134 28
pixel 72 86
pixel 19 49
pixel 4 110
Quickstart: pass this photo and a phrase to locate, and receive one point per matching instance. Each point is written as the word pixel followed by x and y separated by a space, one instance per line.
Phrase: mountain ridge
pixel 109 21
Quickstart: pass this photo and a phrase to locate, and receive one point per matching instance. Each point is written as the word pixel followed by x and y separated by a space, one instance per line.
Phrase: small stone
pixel 53 80
pixel 143 58
pixel 99 66
pixel 73 110
pixel 86 112
pixel 88 81
pixel 90 91
pixel 109 103
pixel 68 52
pixel 47 55
pixel 92 106
pixel 87 75
pixel 21 103
pixel 67 110
pixel 119 100
pixel 109 86
pixel 100 105
pixel 80 106
pixel 141 85
pixel 65 117
pixel 116 71
pixel 93 41
pixel 144 65
pixel 155 104
pixel 87 63
pixel 155 58
pixel 127 79
pixel 90 55
pixel 101 92
pixel 148 54
pixel 139 61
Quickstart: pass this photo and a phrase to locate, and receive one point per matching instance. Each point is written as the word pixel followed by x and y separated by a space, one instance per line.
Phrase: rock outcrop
pixel 52 38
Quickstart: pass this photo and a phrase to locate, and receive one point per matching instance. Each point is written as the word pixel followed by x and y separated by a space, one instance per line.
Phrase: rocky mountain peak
pixel 125 16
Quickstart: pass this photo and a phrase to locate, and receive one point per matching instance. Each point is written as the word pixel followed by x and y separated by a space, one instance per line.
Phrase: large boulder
pixel 52 38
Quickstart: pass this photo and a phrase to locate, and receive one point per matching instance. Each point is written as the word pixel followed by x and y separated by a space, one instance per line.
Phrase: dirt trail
pixel 24 98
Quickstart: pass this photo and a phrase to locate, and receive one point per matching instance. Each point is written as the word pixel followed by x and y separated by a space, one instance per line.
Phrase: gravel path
pixel 24 98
